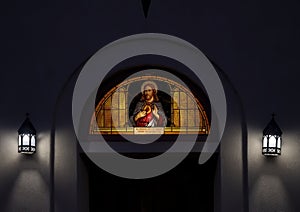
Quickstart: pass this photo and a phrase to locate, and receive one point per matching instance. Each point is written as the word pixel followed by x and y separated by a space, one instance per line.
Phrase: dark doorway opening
pixel 188 187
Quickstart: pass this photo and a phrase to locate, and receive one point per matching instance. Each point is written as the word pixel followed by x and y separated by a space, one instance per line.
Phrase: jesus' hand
pixel 140 114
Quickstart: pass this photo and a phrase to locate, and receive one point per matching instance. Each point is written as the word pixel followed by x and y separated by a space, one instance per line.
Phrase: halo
pixel 148 82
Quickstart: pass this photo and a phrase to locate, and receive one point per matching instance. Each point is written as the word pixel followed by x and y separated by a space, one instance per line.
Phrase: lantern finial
pixel 273 115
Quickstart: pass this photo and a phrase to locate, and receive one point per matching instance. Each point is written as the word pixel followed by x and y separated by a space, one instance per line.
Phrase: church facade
pixel 149 106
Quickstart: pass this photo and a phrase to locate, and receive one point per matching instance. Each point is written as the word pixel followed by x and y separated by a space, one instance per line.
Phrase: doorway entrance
pixel 188 187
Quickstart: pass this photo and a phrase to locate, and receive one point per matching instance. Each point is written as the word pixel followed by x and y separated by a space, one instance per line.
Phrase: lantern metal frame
pixel 272 139
pixel 27 137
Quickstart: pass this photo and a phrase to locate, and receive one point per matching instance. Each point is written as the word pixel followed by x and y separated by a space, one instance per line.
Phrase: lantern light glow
pixel 271 141
pixel 26 140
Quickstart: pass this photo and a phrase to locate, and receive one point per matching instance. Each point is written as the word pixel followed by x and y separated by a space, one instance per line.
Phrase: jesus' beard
pixel 149 98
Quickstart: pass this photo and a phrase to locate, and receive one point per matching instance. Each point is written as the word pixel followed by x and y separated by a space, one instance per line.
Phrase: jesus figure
pixel 149 111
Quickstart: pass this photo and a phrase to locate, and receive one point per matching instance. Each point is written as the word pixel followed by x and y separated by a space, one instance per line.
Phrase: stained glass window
pixel 183 110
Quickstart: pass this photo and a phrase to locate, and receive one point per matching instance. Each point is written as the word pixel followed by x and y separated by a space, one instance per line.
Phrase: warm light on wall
pixel 272 141
pixel 27 137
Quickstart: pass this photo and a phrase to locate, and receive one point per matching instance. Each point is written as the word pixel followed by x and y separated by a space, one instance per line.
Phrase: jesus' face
pixel 148 93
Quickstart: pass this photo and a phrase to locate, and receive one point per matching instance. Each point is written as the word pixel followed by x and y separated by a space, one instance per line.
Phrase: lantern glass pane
pixel 20 137
pixel 26 139
pixel 33 140
pixel 279 143
pixel 265 141
pixel 272 141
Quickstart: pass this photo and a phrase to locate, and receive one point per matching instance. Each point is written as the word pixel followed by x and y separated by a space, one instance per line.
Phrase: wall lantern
pixel 27 137
pixel 272 141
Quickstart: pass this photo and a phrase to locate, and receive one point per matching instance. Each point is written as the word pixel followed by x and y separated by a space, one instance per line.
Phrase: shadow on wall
pixel 274 180
pixel 24 179
pixel 269 192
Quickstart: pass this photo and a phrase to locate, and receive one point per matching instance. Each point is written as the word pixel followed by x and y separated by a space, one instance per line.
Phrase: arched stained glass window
pixel 182 111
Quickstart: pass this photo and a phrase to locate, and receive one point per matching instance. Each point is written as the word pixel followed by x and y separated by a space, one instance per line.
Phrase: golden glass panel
pixel 183 100
pixel 175 100
pixel 122 120
pixel 191 118
pixel 191 103
pixel 115 118
pixel 197 118
pixel 107 118
pixel 122 100
pixel 107 104
pixel 176 120
pixel 115 101
pixel 100 119
pixel 183 118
